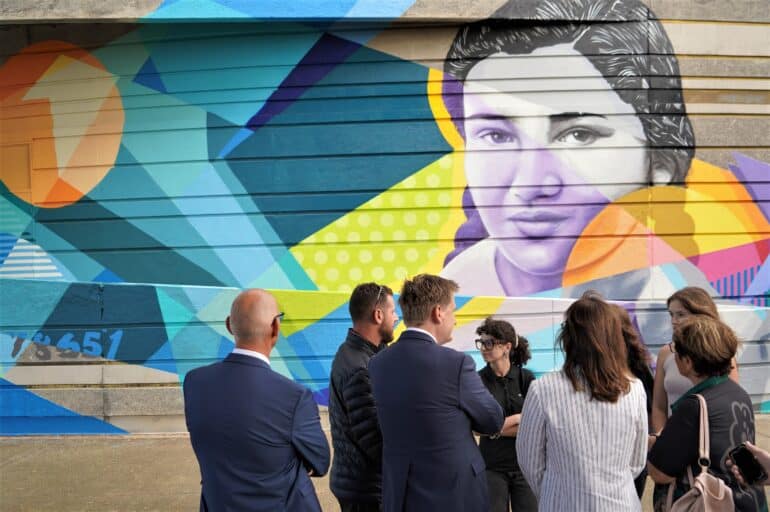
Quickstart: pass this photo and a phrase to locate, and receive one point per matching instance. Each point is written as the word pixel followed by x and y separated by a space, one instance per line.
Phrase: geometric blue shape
pixel 7 242
pixel 461 300
pixel 328 52
pixel 148 76
pixel 305 366
pixel 250 62
pixel 225 347
pixel 107 276
pixel 223 136
pixel 25 413
pixel 123 322
pixel 162 359
pixel 339 157
pixel 321 396
pixel 229 10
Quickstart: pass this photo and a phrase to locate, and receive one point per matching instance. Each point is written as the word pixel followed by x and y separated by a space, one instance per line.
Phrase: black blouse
pixel 509 391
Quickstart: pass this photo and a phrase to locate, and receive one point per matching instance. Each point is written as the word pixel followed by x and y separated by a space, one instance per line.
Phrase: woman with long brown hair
pixel 669 383
pixel 639 364
pixel 591 415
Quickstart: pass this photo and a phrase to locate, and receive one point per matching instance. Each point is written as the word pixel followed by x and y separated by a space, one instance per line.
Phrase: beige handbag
pixel 707 493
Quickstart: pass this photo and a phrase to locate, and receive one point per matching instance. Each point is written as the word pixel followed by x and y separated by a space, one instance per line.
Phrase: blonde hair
pixel 708 342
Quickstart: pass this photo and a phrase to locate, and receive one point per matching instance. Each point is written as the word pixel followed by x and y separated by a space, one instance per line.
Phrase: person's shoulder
pixel 281 384
pixel 485 373
pixel 663 354
pixel 551 381
pixel 453 356
pixel 202 372
pixel 527 374
pixel 729 389
pixel 349 357
pixel 687 405
pixel 637 388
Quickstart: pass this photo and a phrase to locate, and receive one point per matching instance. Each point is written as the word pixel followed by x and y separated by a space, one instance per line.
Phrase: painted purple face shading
pixel 545 154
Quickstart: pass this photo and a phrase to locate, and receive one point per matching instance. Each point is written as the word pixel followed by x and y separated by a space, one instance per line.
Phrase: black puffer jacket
pixel 356 473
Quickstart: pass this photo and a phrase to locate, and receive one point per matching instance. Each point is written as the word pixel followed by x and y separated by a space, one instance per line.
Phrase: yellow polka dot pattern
pixel 404 231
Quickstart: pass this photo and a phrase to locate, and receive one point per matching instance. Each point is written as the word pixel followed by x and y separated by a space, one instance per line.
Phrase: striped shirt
pixel 582 454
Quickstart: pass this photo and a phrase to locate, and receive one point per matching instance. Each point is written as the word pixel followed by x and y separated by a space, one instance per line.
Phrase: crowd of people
pixel 405 417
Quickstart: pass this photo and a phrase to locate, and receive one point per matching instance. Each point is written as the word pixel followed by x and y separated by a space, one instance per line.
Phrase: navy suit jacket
pixel 429 399
pixel 256 435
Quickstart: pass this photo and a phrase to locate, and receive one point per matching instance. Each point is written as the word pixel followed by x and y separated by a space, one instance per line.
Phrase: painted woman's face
pixel 548 145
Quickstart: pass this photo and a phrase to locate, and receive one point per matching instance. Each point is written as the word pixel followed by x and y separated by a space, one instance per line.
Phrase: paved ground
pixel 125 473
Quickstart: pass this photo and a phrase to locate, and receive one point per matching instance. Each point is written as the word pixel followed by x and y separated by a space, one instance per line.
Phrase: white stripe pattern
pixel 582 454
pixel 26 261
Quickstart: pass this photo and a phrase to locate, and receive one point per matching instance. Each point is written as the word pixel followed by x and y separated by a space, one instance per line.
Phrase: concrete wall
pixel 150 169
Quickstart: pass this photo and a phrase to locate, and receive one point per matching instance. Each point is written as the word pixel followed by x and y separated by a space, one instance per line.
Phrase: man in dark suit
pixel 429 401
pixel 257 435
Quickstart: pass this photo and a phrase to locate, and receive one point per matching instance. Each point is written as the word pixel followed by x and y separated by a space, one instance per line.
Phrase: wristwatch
pixel 496 436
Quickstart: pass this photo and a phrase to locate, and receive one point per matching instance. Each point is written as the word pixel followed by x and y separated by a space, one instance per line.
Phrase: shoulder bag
pixel 707 493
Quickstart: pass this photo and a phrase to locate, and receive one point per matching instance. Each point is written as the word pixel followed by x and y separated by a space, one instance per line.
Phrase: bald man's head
pixel 252 319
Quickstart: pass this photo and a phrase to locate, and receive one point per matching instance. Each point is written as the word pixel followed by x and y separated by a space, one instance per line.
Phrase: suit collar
pixel 418 335
pixel 244 359
pixel 423 332
pixel 252 353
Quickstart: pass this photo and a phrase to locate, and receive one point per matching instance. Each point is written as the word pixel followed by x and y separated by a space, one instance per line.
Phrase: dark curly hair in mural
pixel 621 38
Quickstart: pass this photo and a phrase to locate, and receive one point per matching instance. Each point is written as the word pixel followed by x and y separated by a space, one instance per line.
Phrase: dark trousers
pixel 639 483
pixel 355 506
pixel 510 487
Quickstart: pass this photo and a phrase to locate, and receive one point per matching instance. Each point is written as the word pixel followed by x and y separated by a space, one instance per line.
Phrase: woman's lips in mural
pixel 537 223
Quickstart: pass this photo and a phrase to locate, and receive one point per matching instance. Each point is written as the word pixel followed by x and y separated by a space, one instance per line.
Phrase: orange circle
pixel 61 123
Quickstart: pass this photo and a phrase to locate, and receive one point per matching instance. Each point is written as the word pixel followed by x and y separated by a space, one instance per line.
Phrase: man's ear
pixel 227 324
pixel 378 316
pixel 661 176
pixel 436 314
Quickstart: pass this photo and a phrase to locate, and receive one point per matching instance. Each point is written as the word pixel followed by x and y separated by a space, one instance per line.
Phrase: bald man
pixel 257 435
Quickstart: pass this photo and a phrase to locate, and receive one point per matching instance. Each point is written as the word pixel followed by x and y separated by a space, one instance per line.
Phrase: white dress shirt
pixel 251 353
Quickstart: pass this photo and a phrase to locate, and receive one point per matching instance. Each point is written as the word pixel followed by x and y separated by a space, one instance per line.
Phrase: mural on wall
pixel 146 180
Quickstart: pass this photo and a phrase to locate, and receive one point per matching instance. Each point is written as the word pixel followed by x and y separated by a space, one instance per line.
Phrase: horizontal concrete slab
pixel 133 472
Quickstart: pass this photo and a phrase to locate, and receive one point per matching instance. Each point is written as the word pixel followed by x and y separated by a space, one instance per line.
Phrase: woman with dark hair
pixel 504 376
pixel 562 113
pixel 704 348
pixel 583 432
pixel 639 364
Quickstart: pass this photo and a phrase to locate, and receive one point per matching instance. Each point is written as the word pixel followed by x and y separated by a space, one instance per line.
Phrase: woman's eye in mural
pixel 497 137
pixel 582 135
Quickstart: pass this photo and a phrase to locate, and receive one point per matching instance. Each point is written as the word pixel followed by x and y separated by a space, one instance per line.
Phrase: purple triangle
pixel 328 52
pixel 755 176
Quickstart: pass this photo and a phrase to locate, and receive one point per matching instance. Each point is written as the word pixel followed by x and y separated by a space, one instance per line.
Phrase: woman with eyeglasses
pixel 583 433
pixel 504 376
pixel 703 350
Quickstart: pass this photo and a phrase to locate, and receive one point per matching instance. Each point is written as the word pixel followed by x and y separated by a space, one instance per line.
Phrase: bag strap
pixel 703 450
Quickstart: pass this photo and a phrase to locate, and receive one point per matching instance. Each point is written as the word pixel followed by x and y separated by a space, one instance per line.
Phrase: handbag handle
pixel 703 450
